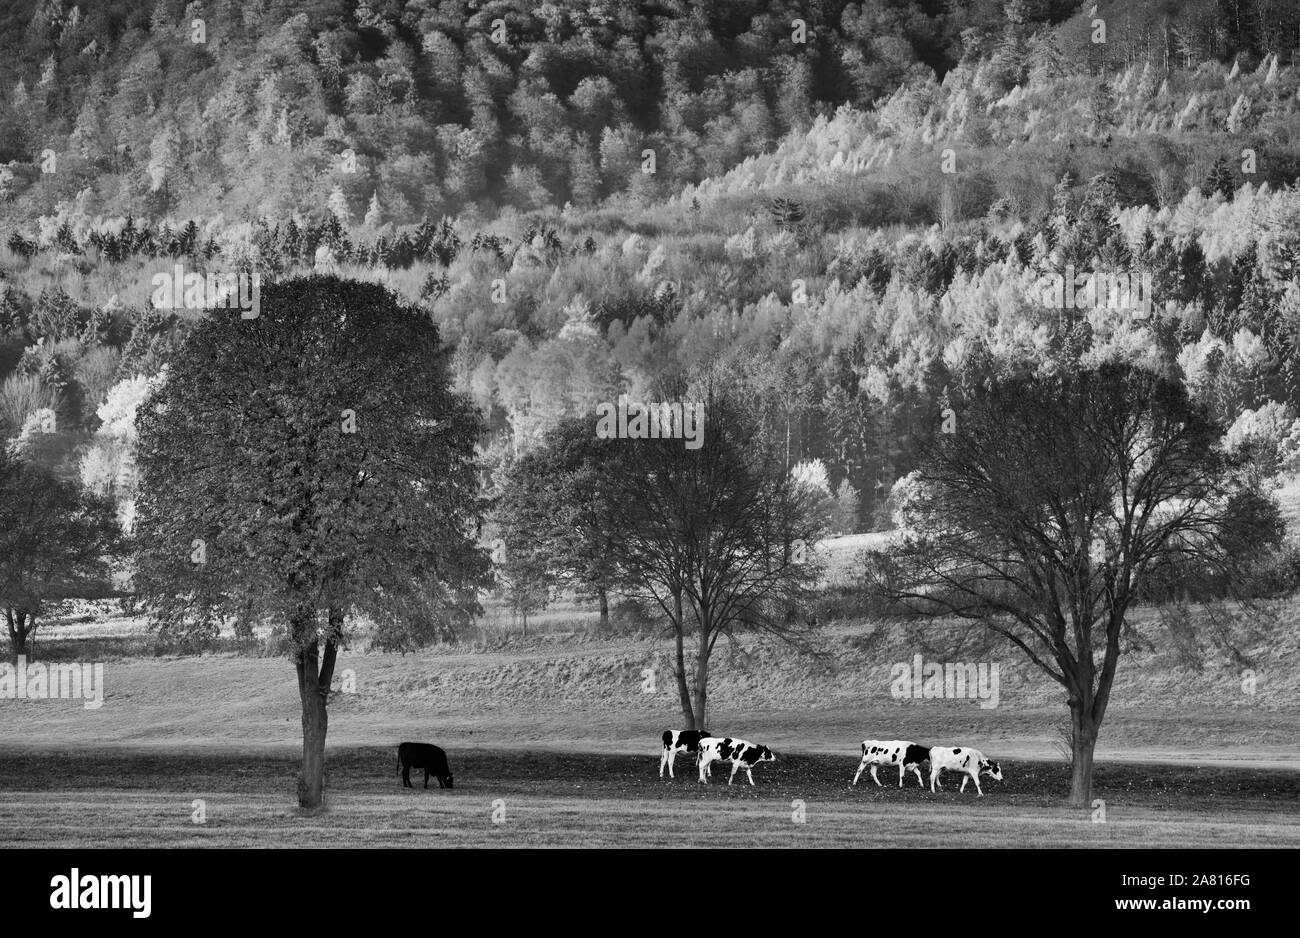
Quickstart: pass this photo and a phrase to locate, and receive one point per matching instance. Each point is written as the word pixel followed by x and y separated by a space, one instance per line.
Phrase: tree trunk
pixel 787 439
pixel 315 674
pixel 1083 732
pixel 603 596
pixel 683 692
pixel 21 625
pixel 702 682
pixel 244 624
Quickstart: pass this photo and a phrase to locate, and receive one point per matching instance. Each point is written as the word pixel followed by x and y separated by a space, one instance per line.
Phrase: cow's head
pixel 991 769
pixel 448 781
pixel 766 755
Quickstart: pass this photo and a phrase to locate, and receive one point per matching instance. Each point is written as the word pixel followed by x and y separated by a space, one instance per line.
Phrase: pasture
pixel 560 731
pixel 554 798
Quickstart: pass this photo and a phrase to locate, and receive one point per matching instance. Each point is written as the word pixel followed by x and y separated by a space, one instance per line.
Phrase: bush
pixel 276 643
pixel 21 396
pixel 1273 575
pixel 845 604
pixel 14 312
pixel 96 372
pixel 57 316
pixel 633 614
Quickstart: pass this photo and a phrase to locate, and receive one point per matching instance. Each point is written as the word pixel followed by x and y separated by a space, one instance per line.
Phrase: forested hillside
pixel 841 202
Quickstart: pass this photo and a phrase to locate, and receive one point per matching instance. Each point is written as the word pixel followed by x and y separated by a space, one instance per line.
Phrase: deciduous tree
pixel 1061 493
pixel 313 462
pixel 56 542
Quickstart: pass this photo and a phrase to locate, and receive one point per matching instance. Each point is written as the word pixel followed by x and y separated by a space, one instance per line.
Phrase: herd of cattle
pixel 875 753
pixel 708 749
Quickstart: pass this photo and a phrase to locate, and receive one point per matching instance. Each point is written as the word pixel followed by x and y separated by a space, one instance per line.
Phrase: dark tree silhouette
pixel 314 462
pixel 57 541
pixel 1047 511
pixel 719 537
pixel 549 518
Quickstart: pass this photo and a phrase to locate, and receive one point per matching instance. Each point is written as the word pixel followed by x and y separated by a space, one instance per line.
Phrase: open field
pixel 102 798
pixel 560 727
pixel 587 691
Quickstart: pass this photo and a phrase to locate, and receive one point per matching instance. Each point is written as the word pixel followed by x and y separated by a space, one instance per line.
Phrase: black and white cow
pixel 423 756
pixel 676 741
pixel 970 762
pixel 736 751
pixel 906 755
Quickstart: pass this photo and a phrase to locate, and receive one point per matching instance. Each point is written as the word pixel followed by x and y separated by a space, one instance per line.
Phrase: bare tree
pixel 1044 513
pixel 720 538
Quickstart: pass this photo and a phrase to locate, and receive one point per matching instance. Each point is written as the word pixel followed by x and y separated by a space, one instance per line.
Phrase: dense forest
pixel 842 203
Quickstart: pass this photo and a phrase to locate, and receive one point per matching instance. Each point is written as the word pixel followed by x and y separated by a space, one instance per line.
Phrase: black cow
pixel 423 756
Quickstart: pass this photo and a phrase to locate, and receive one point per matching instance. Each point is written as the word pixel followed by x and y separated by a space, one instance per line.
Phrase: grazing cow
pixel 676 741
pixel 970 762
pixel 906 755
pixel 736 751
pixel 423 756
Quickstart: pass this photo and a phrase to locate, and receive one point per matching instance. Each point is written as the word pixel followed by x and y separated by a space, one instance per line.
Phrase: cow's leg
pixel 917 770
pixel 735 767
pixel 902 769
pixel 426 778
pixel 750 773
pixel 935 772
pixel 861 765
pixel 977 785
pixel 663 761
pixel 406 777
pixel 874 776
pixel 440 784
pixel 703 766
pixel 707 764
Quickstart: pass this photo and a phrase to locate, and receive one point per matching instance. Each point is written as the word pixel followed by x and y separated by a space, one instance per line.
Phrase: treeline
pixel 844 269
pixel 851 366
pixel 407 110
pixel 274 247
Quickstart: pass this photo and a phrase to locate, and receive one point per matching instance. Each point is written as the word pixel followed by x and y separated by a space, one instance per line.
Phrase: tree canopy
pixel 57 541
pixel 1058 494
pixel 314 462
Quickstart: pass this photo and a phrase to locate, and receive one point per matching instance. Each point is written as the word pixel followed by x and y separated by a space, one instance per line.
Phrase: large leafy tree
pixel 57 541
pixel 311 463
pixel 1061 498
